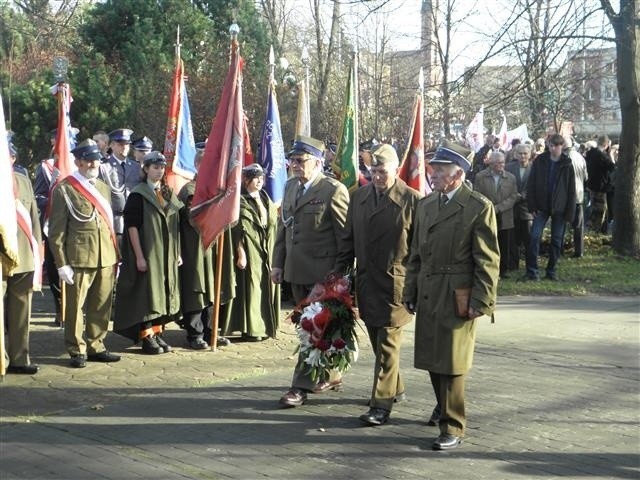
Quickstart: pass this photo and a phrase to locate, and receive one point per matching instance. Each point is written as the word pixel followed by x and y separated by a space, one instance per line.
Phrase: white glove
pixel 66 274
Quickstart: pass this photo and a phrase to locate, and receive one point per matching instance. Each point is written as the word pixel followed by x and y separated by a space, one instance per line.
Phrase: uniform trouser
pixel 387 382
pixel 197 324
pixel 578 231
pixel 93 286
pixel 52 276
pixel 17 308
pixel 449 390
pixel 301 375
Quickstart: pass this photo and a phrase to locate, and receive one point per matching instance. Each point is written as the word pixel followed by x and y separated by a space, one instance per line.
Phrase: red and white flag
pixel 8 218
pixel 412 169
pixel 502 135
pixel 63 158
pixel 216 201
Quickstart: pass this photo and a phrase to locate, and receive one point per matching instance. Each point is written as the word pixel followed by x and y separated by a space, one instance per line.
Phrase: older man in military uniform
pixel 452 278
pixel 120 173
pixel 83 243
pixel 378 234
pixel 25 278
pixel 313 213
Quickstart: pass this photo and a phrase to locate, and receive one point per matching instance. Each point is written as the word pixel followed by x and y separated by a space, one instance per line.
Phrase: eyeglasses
pixel 300 160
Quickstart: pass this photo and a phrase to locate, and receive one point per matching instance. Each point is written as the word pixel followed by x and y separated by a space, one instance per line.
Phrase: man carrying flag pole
pixel 271 150
pixel 216 200
pixel 412 169
pixel 345 162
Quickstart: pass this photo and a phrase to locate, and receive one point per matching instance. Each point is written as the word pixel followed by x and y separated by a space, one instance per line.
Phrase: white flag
pixel 475 131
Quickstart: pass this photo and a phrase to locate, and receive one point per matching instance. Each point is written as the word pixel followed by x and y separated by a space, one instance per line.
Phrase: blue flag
pixel 183 162
pixel 271 153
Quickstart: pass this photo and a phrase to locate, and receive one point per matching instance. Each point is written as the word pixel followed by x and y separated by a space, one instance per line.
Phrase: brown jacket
pixel 378 234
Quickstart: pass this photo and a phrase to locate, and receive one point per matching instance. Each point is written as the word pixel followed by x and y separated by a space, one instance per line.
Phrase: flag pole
pixel 234 29
pixel 305 62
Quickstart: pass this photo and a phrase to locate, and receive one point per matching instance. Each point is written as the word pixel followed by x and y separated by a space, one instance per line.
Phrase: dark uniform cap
pixel 121 135
pixel 368 145
pixel 308 145
pixel 87 150
pixel 154 157
pixel 201 145
pixel 12 149
pixel 143 144
pixel 252 171
pixel 453 154
pixel 382 154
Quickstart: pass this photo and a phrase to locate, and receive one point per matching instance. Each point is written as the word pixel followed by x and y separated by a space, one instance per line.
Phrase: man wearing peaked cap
pixel 452 277
pixel 83 244
pixel 453 154
pixel 378 232
pixel 120 172
pixel 313 212
pixel 141 147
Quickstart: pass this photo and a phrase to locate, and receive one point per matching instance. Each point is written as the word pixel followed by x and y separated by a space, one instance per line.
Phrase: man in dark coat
pixel 521 215
pixel 378 234
pixel 452 278
pixel 600 167
pixel 551 194
pixel 313 214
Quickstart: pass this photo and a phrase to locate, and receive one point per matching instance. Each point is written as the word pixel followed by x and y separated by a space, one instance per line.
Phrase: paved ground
pixel 554 393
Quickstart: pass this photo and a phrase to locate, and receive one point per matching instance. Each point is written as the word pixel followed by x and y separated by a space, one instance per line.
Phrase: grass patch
pixel 600 272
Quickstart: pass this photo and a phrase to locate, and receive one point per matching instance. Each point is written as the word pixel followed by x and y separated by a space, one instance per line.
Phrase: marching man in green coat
pixel 452 278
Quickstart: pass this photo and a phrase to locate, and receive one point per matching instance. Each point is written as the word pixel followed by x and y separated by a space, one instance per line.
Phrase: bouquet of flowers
pixel 325 323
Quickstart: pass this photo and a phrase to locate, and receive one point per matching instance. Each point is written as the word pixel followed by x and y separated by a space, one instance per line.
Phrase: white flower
pixel 311 310
pixel 315 358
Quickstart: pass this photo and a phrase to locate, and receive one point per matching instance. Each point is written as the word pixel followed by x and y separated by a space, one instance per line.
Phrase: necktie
pixel 443 200
pixel 299 193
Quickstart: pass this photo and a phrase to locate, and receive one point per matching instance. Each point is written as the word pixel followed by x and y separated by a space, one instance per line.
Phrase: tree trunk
pixel 626 235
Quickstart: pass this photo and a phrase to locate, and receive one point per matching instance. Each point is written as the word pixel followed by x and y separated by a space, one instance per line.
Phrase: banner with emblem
pixel 412 169
pixel 216 200
pixel 345 162
pixel 271 150
pixel 63 158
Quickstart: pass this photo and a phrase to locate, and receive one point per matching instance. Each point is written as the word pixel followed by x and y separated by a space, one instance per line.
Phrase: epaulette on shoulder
pixel 480 198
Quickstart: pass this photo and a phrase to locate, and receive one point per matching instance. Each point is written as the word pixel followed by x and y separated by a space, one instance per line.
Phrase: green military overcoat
pixel 453 247
pixel 25 195
pixel 378 234
pixel 309 229
pixel 197 269
pixel 255 310
pixel 155 294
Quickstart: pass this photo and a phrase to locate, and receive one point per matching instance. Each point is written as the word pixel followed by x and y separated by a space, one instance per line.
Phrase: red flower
pixel 339 344
pixel 323 345
pixel 307 325
pixel 321 320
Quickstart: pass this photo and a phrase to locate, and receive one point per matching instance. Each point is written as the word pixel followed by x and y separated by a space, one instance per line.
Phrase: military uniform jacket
pixel 121 179
pixel 25 196
pixel 503 198
pixel 78 235
pixel 308 233
pixel 453 247
pixel 378 234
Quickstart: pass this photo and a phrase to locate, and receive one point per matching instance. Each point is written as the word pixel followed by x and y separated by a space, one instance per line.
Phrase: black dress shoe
pixel 223 342
pixel 104 356
pixel 293 398
pixel 375 416
pixel 78 361
pixel 166 348
pixel 150 346
pixel 446 442
pixel 197 344
pixel 23 369
pixel 435 417
pixel 324 386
